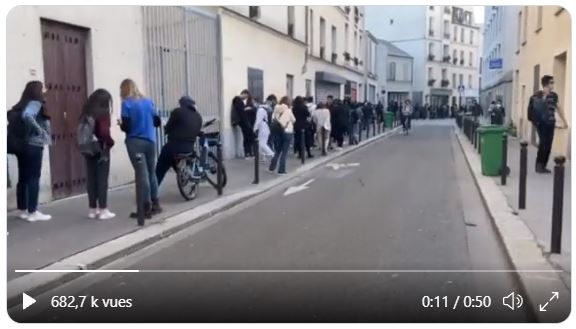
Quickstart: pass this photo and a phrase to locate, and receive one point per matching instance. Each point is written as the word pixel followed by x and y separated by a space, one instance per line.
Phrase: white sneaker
pixel 93 214
pixel 23 215
pixel 38 217
pixel 106 214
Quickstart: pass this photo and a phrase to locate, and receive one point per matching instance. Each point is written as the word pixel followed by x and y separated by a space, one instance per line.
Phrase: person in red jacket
pixel 99 107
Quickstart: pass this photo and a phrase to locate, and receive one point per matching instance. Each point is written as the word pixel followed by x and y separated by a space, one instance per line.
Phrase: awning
pixel 441 92
pixel 329 77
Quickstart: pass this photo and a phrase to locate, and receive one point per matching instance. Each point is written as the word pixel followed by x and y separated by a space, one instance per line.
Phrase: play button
pixel 27 301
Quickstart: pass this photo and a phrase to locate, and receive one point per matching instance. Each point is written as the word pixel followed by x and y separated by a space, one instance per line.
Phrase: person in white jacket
pixel 285 118
pixel 263 130
pixel 321 117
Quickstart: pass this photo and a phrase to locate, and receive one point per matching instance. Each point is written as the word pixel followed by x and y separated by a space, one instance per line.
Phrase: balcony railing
pixel 455 61
pixel 461 62
pixel 347 56
pixel 446 59
pixel 431 33
pixel 355 60
pixel 431 82
pixel 322 52
pixel 360 63
pixel 334 57
pixel 431 57
pixel 445 83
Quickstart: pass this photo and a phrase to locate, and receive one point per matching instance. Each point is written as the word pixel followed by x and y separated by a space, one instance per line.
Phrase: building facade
pixel 371 69
pixel 543 47
pixel 445 44
pixel 97 56
pixel 395 73
pixel 498 57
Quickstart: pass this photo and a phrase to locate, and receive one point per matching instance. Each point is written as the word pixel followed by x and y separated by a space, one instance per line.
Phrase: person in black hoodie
pixel 248 117
pixel 184 125
pixel 303 117
pixel 339 119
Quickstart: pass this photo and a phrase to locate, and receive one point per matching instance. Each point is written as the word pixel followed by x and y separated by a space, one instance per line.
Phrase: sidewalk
pixel 36 245
pixel 539 191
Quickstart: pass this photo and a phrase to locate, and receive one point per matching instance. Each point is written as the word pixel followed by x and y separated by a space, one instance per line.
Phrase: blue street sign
pixel 495 64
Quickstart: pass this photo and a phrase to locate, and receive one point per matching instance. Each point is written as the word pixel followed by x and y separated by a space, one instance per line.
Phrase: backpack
pixel 16 140
pixel 276 127
pixel 88 144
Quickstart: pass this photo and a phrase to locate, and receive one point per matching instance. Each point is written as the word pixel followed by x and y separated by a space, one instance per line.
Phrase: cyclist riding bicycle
pixel 184 125
pixel 406 115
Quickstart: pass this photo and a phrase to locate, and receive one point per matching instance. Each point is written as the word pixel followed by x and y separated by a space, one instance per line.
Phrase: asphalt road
pixel 402 213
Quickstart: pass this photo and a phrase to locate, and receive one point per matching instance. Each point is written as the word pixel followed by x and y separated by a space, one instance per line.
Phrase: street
pixel 360 240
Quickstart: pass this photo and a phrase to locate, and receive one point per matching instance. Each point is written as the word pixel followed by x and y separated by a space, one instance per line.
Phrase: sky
pixel 479 14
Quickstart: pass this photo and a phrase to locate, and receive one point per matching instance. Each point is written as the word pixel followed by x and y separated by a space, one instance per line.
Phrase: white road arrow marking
pixel 337 166
pixel 27 301
pixel 295 189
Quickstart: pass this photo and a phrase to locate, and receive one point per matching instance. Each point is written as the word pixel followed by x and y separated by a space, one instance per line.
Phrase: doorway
pixel 64 57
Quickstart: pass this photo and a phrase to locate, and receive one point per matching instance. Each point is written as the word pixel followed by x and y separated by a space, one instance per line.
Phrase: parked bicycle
pixel 191 169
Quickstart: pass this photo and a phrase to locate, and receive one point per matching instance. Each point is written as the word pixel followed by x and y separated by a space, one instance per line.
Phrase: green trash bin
pixel 491 149
pixel 389 119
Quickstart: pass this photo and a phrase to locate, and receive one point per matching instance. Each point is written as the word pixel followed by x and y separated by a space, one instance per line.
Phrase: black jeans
pixel 248 140
pixel 546 136
pixel 97 173
pixel 29 169
pixel 167 156
pixel 308 140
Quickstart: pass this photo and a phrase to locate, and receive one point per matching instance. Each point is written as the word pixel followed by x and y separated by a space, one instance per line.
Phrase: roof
pixel 393 50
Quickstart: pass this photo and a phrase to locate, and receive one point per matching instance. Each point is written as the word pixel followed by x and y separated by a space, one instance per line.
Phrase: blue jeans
pixel 29 169
pixel 148 149
pixel 281 148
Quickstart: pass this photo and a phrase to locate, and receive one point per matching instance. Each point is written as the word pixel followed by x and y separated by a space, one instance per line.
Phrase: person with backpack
pixel 262 130
pixel 497 113
pixel 542 108
pixel 28 133
pixel 406 115
pixel 283 129
pixel 139 122
pixel 95 142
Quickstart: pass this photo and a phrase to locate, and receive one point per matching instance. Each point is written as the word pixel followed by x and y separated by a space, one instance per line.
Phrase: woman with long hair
pixel 248 118
pixel 139 122
pixel 285 120
pixel 98 108
pixel 37 135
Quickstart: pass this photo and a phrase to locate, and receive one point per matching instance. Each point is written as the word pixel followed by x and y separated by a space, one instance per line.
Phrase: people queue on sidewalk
pixel 29 132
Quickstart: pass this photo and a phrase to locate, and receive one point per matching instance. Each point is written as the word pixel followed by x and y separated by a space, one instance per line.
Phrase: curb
pixel 520 244
pixel 100 255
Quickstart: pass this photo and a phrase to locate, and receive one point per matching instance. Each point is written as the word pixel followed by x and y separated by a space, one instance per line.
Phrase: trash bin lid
pixel 491 129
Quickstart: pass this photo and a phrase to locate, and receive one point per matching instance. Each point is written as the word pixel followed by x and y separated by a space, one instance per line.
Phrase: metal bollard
pixel 302 146
pixel 139 171
pixel 504 166
pixel 219 187
pixel 256 162
pixel 323 143
pixel 557 205
pixel 523 174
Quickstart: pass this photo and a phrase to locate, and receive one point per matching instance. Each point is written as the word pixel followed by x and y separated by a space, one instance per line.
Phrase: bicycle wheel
pixel 212 171
pixel 187 185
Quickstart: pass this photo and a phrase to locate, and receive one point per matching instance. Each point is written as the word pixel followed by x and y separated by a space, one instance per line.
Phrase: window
pixel 446 52
pixel 536 86
pixel 470 81
pixel 311 31
pixel 308 87
pixel 431 49
pixel 455 56
pixel 346 38
pixel 256 82
pixel 430 74
pixel 525 25
pixel 334 45
pixel 355 44
pixel 392 71
pixel 461 57
pixel 519 32
pixel 444 74
pixel 406 72
pixel 455 33
pixel 471 37
pixel 462 35
pixel 539 21
pixel 431 7
pixel 291 21
pixel 453 80
pixel 254 12
pixel 290 85
pixel 471 59
pixel 446 29
pixel 431 26
pixel 461 80
pixel 361 48
pixel 322 38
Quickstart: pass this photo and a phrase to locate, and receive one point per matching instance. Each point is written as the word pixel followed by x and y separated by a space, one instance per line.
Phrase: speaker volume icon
pixel 513 301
